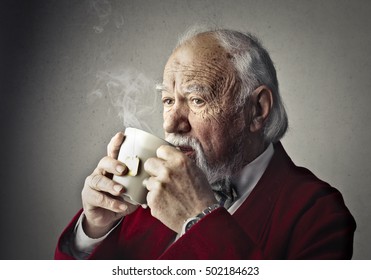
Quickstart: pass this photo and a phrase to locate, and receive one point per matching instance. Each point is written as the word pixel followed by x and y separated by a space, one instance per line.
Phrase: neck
pixel 254 147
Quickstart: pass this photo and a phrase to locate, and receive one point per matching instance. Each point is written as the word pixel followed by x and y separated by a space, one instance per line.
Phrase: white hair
pixel 254 67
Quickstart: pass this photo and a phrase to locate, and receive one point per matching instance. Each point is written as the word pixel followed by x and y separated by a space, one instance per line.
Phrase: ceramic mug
pixel 137 147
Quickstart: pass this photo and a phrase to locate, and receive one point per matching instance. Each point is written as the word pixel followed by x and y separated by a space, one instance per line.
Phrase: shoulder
pixel 301 187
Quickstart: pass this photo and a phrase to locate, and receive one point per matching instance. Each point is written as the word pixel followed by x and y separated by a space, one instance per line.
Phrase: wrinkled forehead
pixel 203 47
pixel 201 58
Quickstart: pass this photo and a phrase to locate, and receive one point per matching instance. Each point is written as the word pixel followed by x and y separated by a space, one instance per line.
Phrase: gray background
pixel 52 136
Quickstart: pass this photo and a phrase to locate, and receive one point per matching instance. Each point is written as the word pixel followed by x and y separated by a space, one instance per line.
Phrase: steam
pixel 131 93
pixel 105 12
pixel 133 96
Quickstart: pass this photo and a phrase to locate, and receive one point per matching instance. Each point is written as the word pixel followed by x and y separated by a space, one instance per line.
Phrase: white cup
pixel 138 146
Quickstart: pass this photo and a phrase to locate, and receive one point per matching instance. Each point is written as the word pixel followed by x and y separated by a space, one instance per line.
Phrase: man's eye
pixel 167 101
pixel 198 101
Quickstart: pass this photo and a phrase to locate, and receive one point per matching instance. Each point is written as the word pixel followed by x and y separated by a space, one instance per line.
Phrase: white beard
pixel 214 172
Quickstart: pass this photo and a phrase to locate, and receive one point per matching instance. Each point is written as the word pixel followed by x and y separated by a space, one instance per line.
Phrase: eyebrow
pixel 200 89
pixel 160 88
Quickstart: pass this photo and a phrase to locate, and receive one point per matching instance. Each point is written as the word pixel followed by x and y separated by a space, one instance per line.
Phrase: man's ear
pixel 262 102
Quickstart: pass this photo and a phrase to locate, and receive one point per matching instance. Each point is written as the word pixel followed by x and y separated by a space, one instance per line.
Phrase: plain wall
pixel 52 136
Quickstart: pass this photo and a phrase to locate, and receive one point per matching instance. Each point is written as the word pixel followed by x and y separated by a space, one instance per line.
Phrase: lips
pixel 187 150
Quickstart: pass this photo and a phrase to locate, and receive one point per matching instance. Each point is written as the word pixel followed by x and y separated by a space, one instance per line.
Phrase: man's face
pixel 198 95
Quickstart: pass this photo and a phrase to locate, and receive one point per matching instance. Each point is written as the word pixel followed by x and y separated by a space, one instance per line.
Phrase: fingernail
pixel 123 207
pixel 120 168
pixel 117 188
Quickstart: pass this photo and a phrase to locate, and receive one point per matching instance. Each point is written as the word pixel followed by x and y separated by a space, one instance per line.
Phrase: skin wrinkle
pixel 210 67
pixel 211 77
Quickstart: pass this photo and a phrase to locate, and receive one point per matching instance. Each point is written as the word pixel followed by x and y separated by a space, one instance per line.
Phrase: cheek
pixel 210 132
pixel 211 122
pixel 165 116
pixel 221 133
pixel 208 116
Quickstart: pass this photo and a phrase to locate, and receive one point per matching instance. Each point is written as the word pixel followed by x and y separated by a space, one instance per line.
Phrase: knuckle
pixel 99 199
pixel 166 174
pixel 112 204
pixel 95 179
pixel 90 180
pixel 87 181
pixel 156 186
pixel 102 163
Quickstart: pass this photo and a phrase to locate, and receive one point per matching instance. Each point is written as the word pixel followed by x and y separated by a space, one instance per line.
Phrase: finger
pixel 152 184
pixel 151 201
pixel 154 167
pixel 112 166
pixel 101 183
pixel 168 153
pixel 103 200
pixel 113 147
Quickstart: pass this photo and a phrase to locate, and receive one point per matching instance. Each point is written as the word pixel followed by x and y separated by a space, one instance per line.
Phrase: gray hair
pixel 254 67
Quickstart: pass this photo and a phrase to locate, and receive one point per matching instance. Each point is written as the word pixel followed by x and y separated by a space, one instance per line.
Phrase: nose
pixel 176 119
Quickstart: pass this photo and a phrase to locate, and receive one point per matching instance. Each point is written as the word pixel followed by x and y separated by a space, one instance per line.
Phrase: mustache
pixel 212 172
pixel 182 140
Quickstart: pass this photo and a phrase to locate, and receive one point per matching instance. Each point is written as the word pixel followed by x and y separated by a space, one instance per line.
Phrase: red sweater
pixel 290 214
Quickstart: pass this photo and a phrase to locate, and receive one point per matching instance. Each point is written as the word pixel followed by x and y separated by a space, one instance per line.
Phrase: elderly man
pixel 227 190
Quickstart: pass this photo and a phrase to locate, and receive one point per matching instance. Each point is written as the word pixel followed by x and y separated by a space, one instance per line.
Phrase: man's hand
pixel 178 189
pixel 101 200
